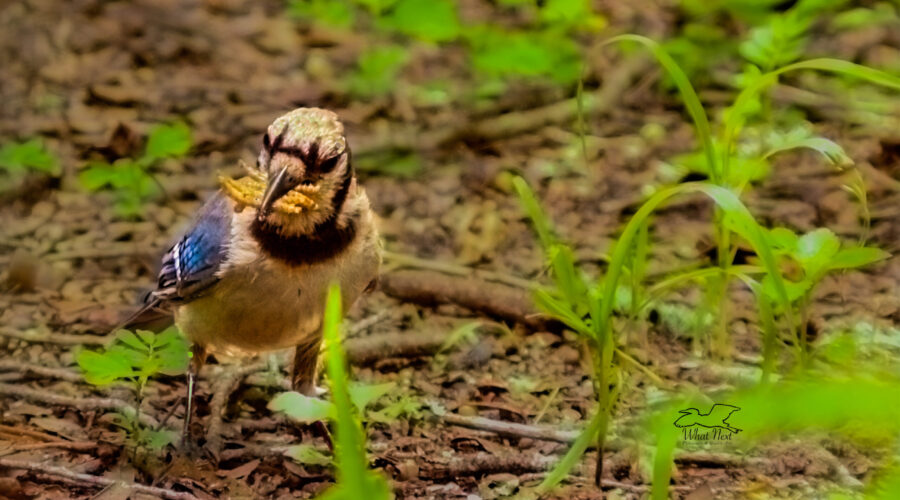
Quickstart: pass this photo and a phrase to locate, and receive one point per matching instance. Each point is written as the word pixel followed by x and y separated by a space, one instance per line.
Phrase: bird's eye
pixel 329 164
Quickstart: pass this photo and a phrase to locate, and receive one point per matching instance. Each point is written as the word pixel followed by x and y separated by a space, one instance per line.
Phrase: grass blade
pixel 354 480
pixel 539 219
pixel 688 95
pixel 578 448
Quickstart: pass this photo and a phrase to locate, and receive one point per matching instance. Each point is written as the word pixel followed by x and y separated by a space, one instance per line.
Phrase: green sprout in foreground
pixel 134 358
pixel 354 478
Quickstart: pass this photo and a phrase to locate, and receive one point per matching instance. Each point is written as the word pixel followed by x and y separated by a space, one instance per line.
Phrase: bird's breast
pixel 266 305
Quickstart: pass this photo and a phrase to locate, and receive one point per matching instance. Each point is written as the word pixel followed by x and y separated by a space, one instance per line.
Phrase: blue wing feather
pixel 190 267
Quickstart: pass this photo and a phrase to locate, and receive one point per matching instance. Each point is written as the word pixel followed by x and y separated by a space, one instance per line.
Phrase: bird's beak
pixel 278 186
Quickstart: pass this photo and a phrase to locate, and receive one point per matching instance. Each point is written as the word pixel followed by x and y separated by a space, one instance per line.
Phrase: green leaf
pixel 783 239
pixel 354 479
pixel 542 225
pixel 168 141
pixel 816 248
pixel 405 406
pixel 302 408
pixel 587 436
pixel 131 340
pixel 376 7
pixel 376 71
pixel 96 175
pixel 571 14
pixel 392 163
pixel 307 455
pixel 171 351
pixel 742 169
pixel 849 258
pixel 103 368
pixel 506 54
pixel 561 311
pixel 832 151
pixel 29 155
pixel 566 276
pixel 794 289
pixel 780 42
pixel 362 395
pixel 157 440
pixel 428 20
pixel 327 12
pixel 735 120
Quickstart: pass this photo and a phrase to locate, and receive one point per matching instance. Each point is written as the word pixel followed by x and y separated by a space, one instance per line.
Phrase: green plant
pixel 775 36
pixel 505 54
pixel 542 49
pixel 129 179
pixel 354 479
pixel 376 71
pixel 816 253
pixel 31 155
pixel 587 308
pixel 134 358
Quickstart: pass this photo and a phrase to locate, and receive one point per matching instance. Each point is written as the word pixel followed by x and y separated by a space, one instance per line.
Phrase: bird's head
pixel 302 175
pixel 689 411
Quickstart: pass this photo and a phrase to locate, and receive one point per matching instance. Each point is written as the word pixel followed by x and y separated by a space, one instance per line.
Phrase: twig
pixel 547 433
pixel 24 431
pixel 41 371
pixel 55 338
pixel 99 481
pixel 492 299
pixel 364 324
pixel 510 429
pixel 63 445
pixel 81 403
pixel 365 350
pixel 478 464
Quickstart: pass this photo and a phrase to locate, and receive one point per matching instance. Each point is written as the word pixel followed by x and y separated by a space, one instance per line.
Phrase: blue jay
pixel 243 281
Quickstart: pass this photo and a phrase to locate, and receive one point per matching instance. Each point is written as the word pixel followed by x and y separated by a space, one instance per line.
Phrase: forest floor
pixel 91 78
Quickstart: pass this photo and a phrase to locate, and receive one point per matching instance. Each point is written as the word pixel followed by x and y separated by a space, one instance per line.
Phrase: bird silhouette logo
pixel 716 417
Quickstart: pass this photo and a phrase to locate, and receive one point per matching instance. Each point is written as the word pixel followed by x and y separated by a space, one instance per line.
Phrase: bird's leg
pixel 303 378
pixel 197 360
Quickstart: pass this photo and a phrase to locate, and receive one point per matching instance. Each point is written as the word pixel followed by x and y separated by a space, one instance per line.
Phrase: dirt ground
pixel 91 77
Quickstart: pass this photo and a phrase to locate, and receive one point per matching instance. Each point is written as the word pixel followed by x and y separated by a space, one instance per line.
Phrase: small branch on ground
pixel 90 479
pixel 41 371
pixel 62 445
pixel 498 301
pixel 55 338
pixel 365 350
pixel 510 429
pixel 42 396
